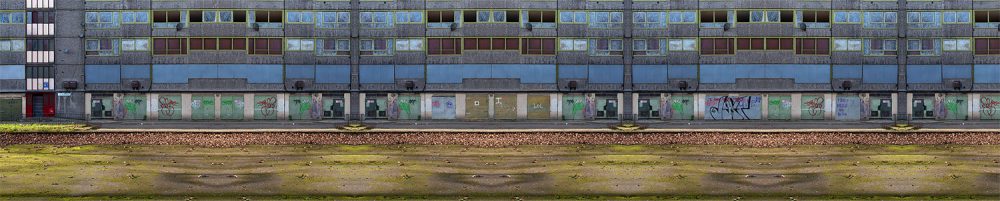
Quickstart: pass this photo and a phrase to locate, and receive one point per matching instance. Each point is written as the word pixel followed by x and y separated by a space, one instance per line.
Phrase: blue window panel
pixel 454 74
pixel 847 71
pixel 572 71
pixel 719 73
pixel 8 72
pixel 179 74
pixel 956 71
pixel 682 71
pixel 300 71
pixel 410 71
pixel 255 74
pixel 102 74
pixel 535 74
pixel 606 74
pixel 802 73
pixel 799 72
pixel 650 74
pixel 879 74
pixel 987 74
pixel 923 74
pixel 333 74
pixel 135 71
pixel 382 74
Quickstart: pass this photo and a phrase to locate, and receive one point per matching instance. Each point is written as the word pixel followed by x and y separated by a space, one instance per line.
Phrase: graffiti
pixel 848 109
pixel 814 107
pixel 166 107
pixel 118 103
pixel 988 106
pixel 733 108
pixel 443 107
pixel 268 106
pixel 317 108
pixel 590 107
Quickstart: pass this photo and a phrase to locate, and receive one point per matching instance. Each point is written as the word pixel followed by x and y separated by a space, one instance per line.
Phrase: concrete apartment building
pixel 245 60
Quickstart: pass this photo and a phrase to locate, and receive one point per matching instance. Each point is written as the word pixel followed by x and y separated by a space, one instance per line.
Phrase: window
pixel 266 19
pixel 265 46
pixel 333 20
pixel 299 44
pixel 376 19
pixel 490 44
pixel 813 18
pixel 764 44
pixel 683 16
pixel 410 44
pixel 923 20
pixel 232 44
pixel 300 17
pixel 40 45
pixel 540 19
pixel 578 17
pixel 495 16
pixel 880 47
pixel 714 19
pixel 11 45
pixel 440 19
pixel 140 17
pixel 686 44
pixel 649 47
pixel 167 19
pixel 213 16
pixel 957 44
pixel 333 47
pixel 567 44
pixel 140 45
pixel 203 43
pixel 607 20
pixel 847 17
pixel 7 17
pixel 538 46
pixel 764 16
pixel 649 20
pixel 167 46
pixel 813 46
pixel 606 47
pixel 102 47
pixel 986 46
pixel 710 46
pixel 42 17
pixel 376 47
pixel 847 45
pixel 409 17
pixel 880 20
pixel 442 46
pixel 987 19
pixel 923 47
pixel 957 17
pixel 102 20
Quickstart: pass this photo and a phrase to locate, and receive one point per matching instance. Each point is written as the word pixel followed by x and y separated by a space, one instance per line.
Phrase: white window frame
pixel 573 44
pixel 682 44
pixel 135 45
pixel 300 44
pixel 956 44
pixel 847 44
pixel 409 44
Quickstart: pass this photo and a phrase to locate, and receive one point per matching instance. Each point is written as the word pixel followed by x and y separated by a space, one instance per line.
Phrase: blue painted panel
pixel 650 74
pixel 410 71
pixel 956 71
pixel 987 74
pixel 255 74
pixel 923 74
pixel 536 74
pixel 879 74
pixel 847 71
pixel 12 72
pixel 182 73
pixel 801 73
pixel 606 74
pixel 135 71
pixel 376 74
pixel 682 71
pixel 455 73
pixel 333 74
pixel 102 74
pixel 300 71
pixel 573 71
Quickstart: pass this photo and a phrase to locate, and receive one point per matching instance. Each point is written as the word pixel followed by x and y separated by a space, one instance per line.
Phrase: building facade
pixel 241 60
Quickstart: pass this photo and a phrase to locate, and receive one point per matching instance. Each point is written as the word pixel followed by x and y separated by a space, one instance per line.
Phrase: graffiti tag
pixel 814 106
pixel 268 106
pixel 733 108
pixel 167 106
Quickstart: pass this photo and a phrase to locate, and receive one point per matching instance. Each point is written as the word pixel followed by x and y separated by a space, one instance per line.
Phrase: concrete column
pixel 895 103
pixel 522 106
pixel 87 98
pixel 362 104
pixel 699 106
pixel 909 99
pixel 282 106
pixel 974 106
pixel 635 104
pixel 248 107
pixel 796 106
pixel 153 108
pixel 490 111
pixel 426 102
pixel 621 105
pixel 764 105
pixel 218 107
pixel 830 105
pixel 555 100
pixel 459 106
pixel 347 105
pixel 186 107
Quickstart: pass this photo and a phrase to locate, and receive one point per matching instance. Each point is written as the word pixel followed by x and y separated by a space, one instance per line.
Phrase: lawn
pixel 572 172
pixel 41 128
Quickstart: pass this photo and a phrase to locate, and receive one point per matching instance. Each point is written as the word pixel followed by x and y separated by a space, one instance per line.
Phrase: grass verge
pixel 41 128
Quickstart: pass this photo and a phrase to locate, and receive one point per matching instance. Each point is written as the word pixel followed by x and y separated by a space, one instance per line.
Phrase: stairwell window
pixel 8 17
pixel 376 47
pixel 606 47
pixel 11 45
pixel 880 47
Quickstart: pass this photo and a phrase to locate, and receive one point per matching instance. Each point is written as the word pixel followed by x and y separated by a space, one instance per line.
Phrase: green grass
pixel 41 128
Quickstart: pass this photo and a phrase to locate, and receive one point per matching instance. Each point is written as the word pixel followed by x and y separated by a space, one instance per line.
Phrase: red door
pixel 40 105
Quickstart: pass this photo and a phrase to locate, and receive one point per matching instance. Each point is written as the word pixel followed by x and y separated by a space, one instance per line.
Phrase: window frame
pixel 374 51
pixel 574 45
pixel 594 47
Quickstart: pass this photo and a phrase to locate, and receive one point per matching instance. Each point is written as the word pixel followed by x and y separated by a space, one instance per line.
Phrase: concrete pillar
pixel 909 99
pixel 490 111
pixel 248 107
pixel 764 105
pixel 218 107
pixel 796 106
pixel 830 106
pixel 87 98
pixel 555 102
pixel 895 103
pixel 699 106
pixel 186 107
pixel 635 104
pixel 522 106
pixel 621 105
pixel 459 106
pixel 974 106
pixel 282 106
pixel 362 104
pixel 347 105
pixel 153 108
pixel 426 102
